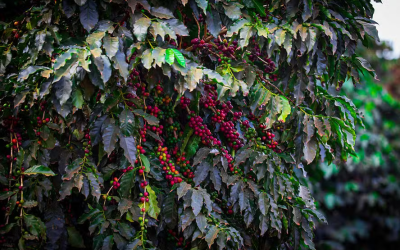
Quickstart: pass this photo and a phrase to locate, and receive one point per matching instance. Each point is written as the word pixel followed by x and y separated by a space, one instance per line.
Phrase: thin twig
pixel 275 87
pixel 180 42
pixel 198 25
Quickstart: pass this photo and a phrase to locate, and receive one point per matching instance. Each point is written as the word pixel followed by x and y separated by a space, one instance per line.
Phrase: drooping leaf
pixel 39 169
pixel 89 15
pixel 110 133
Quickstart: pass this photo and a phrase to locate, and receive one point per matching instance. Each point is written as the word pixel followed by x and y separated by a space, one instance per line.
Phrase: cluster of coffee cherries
pixel 184 164
pixel 142 133
pixel 200 44
pixel 237 116
pixel 171 172
pixel 15 142
pixel 114 182
pixel 173 134
pixel 140 149
pixel 226 50
pixel 159 89
pixel 279 126
pixel 172 236
pixel 144 199
pixel 184 102
pixel 41 121
pixel 219 116
pixel 158 129
pixel 210 100
pixel 154 111
pixel 168 110
pixel 250 133
pixel 228 128
pixel 200 129
pixel 87 144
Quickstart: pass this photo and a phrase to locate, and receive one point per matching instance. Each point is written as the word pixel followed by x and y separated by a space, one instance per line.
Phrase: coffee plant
pixel 173 124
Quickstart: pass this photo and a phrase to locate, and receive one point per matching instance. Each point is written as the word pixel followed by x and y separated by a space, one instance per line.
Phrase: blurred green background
pixel 361 198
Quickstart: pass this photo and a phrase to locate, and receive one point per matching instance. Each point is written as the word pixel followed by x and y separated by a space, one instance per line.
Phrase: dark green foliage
pixel 173 124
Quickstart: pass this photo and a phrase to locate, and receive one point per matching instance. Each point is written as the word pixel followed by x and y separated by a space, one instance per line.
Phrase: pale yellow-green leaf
pixel 262 31
pixel 82 60
pixel 147 59
pixel 193 77
pixel 140 28
pixel 158 55
pixel 96 52
pixel 157 29
pixel 286 109
pixel 236 27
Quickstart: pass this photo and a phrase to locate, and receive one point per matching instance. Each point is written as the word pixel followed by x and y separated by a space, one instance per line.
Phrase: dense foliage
pixel 173 124
pixel 360 198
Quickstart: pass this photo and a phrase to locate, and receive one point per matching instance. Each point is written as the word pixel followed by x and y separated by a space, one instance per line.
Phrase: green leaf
pixel 110 45
pixel 77 98
pixel 140 28
pixel 152 120
pixel 88 216
pixel 179 57
pixel 63 90
pixel 169 210
pixel 127 122
pixel 121 64
pixel 211 235
pixel 201 222
pixel 5 194
pixel 158 55
pixel 126 184
pixel 147 58
pixel 89 15
pixel 197 201
pixel 34 225
pixel 128 143
pixel 145 162
pixel 75 238
pixel 7 228
pixel 152 208
pixel 110 135
pixel 202 4
pixel 72 169
pixel 169 56
pixel 108 243
pixel 24 74
pixel 286 109
pixel 162 12
pixel 201 172
pixel 237 26
pixel 94 185
pixel 183 189
pixel 232 10
pixel 259 7
pixel 39 169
